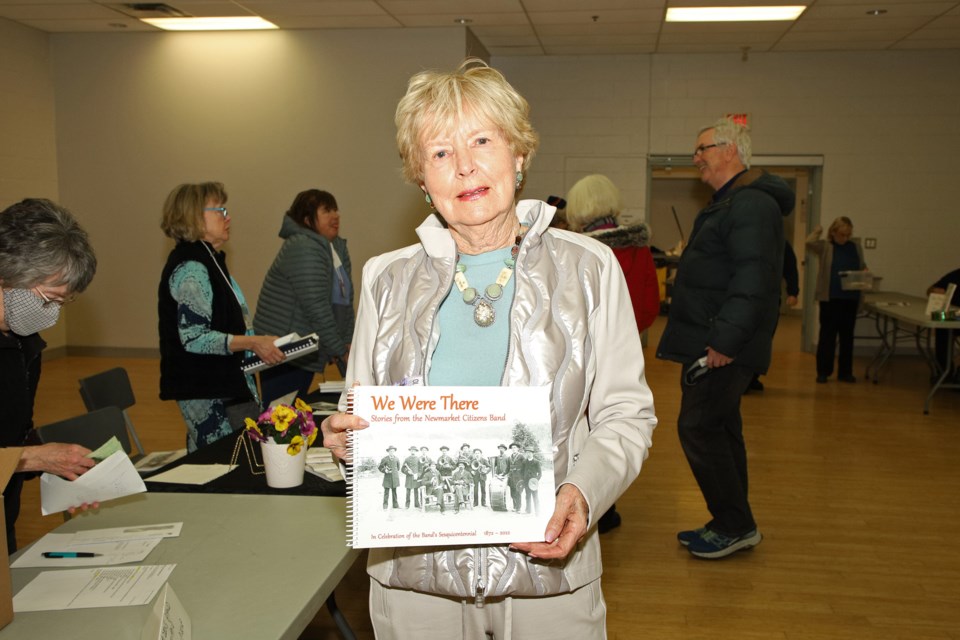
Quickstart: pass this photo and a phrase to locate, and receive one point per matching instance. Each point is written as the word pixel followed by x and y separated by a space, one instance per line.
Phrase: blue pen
pixel 69 554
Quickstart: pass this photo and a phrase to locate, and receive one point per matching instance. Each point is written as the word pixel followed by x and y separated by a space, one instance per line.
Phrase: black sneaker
pixel 713 546
pixel 850 379
pixel 821 379
pixel 609 521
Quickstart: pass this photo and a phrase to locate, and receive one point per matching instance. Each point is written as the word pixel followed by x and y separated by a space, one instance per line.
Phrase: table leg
pixel 888 345
pixel 339 619
pixel 939 382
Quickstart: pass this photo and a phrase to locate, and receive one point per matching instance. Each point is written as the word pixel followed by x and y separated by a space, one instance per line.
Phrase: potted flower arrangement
pixel 284 433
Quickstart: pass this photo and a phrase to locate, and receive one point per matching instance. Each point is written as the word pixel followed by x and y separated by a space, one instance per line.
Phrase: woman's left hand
pixel 334 431
pixel 565 529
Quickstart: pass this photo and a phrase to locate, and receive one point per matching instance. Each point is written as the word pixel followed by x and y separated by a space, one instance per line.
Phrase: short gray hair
pixel 40 241
pixel 726 131
pixel 592 197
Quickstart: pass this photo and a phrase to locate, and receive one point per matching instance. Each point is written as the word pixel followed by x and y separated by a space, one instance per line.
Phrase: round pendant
pixel 469 295
pixel 484 314
pixel 493 292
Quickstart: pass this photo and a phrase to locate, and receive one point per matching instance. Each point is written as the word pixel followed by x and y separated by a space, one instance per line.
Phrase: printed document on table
pixel 193 473
pixel 108 552
pixel 115 477
pixel 133 532
pixel 90 588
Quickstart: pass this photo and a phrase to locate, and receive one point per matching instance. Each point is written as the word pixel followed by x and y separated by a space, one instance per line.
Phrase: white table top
pixel 248 566
pixel 905 308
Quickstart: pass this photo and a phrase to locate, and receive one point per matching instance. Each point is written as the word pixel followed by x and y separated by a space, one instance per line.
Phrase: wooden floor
pixel 856 491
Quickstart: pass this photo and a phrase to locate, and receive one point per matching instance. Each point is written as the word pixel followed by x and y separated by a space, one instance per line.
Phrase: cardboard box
pixel 9 458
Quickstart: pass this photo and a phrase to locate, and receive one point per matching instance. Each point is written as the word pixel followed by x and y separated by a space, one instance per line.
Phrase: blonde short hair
pixel 839 223
pixel 435 100
pixel 183 210
pixel 590 198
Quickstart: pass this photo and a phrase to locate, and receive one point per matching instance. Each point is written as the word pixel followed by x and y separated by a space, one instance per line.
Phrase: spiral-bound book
pixel 292 345
pixel 450 466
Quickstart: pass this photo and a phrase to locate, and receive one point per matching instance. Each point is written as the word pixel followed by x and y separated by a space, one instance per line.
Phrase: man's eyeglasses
pixel 699 150
pixel 221 210
pixel 51 302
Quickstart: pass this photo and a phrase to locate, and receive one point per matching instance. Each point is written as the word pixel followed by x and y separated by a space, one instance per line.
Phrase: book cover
pixel 450 466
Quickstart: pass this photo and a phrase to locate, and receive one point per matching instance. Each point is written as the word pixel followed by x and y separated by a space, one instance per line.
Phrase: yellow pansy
pixel 295 445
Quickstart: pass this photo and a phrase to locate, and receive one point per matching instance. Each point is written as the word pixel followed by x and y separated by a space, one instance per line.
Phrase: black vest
pixel 190 376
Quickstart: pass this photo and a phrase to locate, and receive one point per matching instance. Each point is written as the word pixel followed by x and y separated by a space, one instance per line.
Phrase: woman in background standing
pixel 838 306
pixel 308 290
pixel 204 321
pixel 593 208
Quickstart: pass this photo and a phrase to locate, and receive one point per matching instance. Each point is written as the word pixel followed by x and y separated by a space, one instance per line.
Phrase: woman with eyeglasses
pixel 45 260
pixel 308 290
pixel 204 322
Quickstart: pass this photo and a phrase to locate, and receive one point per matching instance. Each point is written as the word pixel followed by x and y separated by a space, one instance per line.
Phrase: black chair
pixel 90 430
pixel 111 388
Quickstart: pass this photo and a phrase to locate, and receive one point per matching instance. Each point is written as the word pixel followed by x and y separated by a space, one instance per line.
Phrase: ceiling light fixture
pixel 462 21
pixel 876 12
pixel 734 14
pixel 227 23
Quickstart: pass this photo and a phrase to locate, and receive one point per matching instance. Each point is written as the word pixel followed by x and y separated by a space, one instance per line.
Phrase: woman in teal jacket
pixel 308 290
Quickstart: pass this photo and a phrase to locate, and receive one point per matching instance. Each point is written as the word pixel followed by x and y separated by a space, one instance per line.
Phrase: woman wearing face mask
pixel 45 261
pixel 308 290
pixel 205 325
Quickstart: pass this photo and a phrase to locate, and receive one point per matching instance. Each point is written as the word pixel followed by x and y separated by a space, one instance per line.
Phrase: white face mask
pixel 25 313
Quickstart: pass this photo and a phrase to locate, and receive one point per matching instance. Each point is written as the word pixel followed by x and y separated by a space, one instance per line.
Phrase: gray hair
pixel 726 131
pixel 42 243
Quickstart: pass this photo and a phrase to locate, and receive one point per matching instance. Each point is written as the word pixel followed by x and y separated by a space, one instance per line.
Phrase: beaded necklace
pixel 483 312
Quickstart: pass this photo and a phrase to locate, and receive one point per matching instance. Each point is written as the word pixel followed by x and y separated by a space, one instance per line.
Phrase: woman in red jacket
pixel 593 208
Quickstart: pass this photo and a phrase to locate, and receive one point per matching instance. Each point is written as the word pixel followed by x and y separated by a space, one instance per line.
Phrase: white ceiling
pixel 556 27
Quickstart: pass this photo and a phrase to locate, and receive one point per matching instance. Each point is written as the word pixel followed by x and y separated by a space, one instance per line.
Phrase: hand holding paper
pixel 115 477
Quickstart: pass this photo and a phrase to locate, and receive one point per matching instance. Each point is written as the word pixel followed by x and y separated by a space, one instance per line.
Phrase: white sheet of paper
pixel 109 553
pixel 115 477
pixel 193 473
pixel 90 588
pixel 135 532
pixel 935 302
pixel 168 620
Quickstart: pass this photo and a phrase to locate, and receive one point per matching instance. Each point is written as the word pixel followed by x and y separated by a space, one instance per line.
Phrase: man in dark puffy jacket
pixel 722 317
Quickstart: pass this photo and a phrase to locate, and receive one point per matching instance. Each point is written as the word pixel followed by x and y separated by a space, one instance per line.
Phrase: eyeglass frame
pixel 699 150
pixel 221 210
pixel 48 302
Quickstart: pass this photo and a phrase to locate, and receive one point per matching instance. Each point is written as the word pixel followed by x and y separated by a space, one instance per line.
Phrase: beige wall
pixel 28 162
pixel 885 123
pixel 271 114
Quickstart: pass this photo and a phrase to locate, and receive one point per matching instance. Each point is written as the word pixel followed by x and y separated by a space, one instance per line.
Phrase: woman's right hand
pixel 261 345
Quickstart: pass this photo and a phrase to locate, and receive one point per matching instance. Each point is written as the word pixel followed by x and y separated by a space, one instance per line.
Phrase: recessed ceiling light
pixel 733 14
pixel 463 20
pixel 876 12
pixel 235 23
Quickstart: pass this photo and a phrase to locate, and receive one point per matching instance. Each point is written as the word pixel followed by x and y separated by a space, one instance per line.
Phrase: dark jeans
pixel 282 379
pixel 837 320
pixel 711 434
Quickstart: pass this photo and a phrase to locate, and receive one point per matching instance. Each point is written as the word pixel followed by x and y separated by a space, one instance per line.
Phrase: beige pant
pixel 400 614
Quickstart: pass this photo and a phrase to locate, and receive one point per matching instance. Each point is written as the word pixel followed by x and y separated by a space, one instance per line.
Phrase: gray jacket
pixel 571 327
pixel 297 294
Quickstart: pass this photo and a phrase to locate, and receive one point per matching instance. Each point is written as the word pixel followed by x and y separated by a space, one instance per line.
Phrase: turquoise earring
pixel 519 179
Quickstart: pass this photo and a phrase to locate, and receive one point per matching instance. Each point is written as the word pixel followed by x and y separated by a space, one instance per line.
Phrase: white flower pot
pixel 283 470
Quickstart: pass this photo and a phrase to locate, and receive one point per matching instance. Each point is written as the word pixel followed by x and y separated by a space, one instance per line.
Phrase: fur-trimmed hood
pixel 636 235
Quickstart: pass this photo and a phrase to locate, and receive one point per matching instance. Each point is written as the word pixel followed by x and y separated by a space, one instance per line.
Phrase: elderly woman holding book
pixel 491 295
